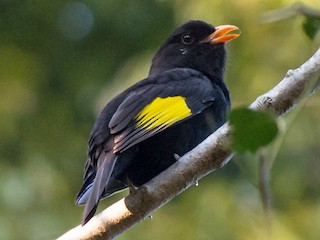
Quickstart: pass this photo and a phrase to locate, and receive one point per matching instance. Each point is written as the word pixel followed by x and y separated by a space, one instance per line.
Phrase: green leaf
pixel 311 27
pixel 251 129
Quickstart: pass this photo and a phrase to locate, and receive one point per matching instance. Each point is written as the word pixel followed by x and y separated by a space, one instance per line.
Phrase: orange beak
pixel 220 35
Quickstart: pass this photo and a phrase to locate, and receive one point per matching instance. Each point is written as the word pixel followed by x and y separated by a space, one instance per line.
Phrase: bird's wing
pixel 168 99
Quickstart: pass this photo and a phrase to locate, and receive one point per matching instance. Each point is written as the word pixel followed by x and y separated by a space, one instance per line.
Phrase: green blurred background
pixel 61 61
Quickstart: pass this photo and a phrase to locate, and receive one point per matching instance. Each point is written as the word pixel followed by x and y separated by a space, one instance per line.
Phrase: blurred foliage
pixel 311 26
pixel 260 126
pixel 60 61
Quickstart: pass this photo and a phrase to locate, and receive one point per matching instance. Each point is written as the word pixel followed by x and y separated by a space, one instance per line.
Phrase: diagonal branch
pixel 211 154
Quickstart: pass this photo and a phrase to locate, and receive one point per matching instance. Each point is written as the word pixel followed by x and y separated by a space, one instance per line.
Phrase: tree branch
pixel 211 154
pixel 287 12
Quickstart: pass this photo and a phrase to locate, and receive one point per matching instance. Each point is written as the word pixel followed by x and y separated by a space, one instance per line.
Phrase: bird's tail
pixel 96 188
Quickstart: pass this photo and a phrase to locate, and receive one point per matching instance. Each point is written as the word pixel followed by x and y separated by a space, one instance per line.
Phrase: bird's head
pixel 197 45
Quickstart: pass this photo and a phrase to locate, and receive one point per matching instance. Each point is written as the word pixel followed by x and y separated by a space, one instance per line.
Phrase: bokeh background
pixel 61 61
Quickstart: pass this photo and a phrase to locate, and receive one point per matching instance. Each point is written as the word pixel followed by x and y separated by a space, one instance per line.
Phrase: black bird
pixel 141 131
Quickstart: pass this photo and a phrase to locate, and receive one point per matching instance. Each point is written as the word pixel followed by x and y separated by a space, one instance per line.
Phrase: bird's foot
pixel 132 187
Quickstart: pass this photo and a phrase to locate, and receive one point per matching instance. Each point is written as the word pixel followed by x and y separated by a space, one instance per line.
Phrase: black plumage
pixel 182 101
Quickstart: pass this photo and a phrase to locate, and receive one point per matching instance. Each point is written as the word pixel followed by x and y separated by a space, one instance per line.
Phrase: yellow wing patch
pixel 163 112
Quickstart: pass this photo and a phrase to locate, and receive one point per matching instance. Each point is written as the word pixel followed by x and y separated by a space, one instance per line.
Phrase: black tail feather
pixel 99 183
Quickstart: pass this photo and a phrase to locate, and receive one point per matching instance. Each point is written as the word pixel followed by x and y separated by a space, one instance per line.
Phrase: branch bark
pixel 288 12
pixel 211 154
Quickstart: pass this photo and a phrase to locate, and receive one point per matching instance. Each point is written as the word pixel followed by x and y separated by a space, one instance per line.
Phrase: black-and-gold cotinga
pixel 182 101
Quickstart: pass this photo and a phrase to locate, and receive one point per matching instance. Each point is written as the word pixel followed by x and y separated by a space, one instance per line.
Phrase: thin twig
pixel 264 173
pixel 288 12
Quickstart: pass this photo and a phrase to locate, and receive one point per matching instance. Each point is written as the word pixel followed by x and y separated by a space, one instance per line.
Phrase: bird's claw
pixel 131 186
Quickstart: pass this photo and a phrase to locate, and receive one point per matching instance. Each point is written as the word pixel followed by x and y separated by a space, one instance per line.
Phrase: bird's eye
pixel 187 39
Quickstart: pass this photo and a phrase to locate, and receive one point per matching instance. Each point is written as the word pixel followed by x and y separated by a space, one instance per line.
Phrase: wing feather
pixel 160 106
